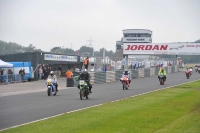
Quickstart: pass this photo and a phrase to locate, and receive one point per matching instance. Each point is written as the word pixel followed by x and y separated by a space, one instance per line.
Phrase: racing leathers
pixel 54 78
pixel 126 73
pixel 162 71
pixel 86 77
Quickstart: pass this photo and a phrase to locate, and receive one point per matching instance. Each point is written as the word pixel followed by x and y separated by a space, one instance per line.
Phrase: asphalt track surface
pixel 23 108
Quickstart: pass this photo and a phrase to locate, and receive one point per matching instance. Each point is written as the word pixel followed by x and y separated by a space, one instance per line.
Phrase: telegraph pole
pixel 90 45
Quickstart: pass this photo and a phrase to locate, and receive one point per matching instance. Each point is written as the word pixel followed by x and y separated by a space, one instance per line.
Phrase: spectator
pixel 2 70
pixel 69 74
pixel 40 72
pixel 23 74
pixel 45 73
pixel 59 71
pixel 86 62
pixel 20 74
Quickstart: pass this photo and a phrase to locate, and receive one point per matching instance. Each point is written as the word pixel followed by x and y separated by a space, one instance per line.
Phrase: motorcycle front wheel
pixel 49 91
pixel 124 85
pixel 81 94
pixel 86 94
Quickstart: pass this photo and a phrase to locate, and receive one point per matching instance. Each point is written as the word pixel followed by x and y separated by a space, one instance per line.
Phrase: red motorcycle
pixel 125 82
pixel 188 73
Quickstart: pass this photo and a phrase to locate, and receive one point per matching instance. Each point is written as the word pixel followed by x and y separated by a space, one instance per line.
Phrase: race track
pixel 23 108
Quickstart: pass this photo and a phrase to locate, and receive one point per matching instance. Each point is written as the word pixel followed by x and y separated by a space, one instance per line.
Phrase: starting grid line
pixel 95 105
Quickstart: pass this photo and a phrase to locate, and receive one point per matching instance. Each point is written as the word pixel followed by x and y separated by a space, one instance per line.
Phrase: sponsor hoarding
pixel 54 57
pixel 162 48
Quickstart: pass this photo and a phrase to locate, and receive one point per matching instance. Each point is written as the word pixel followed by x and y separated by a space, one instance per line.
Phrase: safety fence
pixel 111 76
pixel 13 78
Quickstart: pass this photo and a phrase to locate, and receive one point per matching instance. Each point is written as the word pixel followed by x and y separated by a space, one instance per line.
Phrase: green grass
pixel 173 110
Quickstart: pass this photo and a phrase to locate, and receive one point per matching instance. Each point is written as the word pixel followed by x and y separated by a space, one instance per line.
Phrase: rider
pixel 85 76
pixel 162 71
pixel 54 78
pixel 126 73
pixel 187 70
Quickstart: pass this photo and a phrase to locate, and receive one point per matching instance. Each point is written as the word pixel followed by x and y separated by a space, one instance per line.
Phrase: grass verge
pixel 170 110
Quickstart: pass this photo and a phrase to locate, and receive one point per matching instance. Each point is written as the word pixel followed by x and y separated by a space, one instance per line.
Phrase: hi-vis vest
pixel 85 61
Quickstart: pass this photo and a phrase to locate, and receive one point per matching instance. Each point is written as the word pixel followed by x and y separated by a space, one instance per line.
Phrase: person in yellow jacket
pixel 162 71
pixel 69 74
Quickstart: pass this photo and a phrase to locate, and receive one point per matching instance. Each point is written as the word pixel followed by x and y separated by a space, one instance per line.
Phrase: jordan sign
pixel 162 48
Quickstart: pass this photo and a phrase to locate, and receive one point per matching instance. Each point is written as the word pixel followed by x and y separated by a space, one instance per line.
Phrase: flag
pixel 112 63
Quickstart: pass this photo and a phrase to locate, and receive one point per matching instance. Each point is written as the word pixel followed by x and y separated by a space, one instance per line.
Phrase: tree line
pixel 12 48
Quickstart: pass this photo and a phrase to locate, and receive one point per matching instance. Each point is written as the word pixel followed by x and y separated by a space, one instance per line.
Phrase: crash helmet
pixel 52 73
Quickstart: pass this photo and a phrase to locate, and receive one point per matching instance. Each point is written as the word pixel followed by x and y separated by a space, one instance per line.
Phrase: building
pixel 51 59
pixel 134 36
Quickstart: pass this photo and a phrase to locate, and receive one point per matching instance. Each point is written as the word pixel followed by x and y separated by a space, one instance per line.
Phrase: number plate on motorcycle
pixel 81 82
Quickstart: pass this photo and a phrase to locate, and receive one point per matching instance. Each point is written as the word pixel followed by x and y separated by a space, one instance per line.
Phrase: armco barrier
pixel 99 77
pixel 172 69
pixel 111 76
pixel 141 73
pixel 134 73
pixel 169 69
pixel 118 75
pixel 152 71
pixel 147 72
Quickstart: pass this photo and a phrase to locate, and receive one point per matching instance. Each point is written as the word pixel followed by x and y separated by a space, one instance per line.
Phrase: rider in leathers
pixel 86 77
pixel 54 78
pixel 126 73
pixel 162 71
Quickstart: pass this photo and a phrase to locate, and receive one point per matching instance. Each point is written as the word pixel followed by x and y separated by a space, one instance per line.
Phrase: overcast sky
pixel 70 23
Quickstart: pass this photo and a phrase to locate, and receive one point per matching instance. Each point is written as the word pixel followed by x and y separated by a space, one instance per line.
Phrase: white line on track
pixel 94 106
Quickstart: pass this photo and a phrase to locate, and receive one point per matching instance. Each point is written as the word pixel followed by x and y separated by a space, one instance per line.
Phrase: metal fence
pixel 13 78
pixel 100 64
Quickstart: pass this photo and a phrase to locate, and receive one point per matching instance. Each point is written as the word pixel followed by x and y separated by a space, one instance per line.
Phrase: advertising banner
pixel 54 57
pixel 162 48
pixel 112 63
pixel 119 64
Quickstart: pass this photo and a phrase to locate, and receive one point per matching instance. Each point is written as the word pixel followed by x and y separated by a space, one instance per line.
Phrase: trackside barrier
pixel 141 73
pixel 13 78
pixel 111 76
pixel 152 71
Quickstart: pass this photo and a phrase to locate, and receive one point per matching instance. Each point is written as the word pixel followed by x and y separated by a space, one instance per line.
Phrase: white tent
pixel 4 64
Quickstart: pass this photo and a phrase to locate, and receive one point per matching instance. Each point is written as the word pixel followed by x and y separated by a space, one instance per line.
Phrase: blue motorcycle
pixel 51 89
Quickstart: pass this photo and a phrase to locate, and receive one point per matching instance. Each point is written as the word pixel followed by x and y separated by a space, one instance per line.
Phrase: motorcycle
pixel 125 82
pixel 187 74
pixel 196 69
pixel 199 70
pixel 161 79
pixel 84 89
pixel 51 87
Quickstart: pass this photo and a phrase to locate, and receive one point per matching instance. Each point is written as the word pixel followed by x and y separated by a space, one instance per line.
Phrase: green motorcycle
pixel 84 88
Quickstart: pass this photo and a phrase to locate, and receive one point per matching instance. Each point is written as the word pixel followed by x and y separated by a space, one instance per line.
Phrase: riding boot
pixel 90 90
